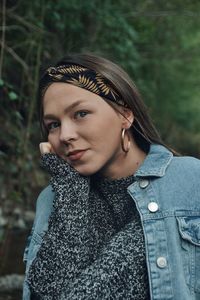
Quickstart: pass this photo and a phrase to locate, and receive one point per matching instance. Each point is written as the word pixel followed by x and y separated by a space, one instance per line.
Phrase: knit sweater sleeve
pixel 115 274
pixel 65 244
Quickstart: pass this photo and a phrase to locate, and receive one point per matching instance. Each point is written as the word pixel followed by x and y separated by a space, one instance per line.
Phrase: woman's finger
pixel 45 148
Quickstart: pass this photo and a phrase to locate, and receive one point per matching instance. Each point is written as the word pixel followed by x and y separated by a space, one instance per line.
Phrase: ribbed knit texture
pixel 94 245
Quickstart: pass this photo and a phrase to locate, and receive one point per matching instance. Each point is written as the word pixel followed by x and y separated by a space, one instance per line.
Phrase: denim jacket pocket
pixel 189 230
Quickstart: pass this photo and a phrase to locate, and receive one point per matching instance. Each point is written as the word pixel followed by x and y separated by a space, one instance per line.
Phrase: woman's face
pixel 83 129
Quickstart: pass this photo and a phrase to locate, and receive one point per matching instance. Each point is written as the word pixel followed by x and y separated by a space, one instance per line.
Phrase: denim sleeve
pixel 44 207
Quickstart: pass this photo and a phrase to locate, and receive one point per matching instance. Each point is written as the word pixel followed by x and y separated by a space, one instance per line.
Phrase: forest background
pixel 157 42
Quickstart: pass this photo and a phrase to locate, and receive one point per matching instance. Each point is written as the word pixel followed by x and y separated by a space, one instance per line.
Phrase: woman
pixel 121 216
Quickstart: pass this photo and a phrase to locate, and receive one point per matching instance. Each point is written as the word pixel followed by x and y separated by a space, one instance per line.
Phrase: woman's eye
pixel 53 125
pixel 81 114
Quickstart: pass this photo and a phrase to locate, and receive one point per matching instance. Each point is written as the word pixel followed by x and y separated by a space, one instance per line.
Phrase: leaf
pixel 1 82
pixel 18 116
pixel 13 96
pixel 2 153
pixel 57 16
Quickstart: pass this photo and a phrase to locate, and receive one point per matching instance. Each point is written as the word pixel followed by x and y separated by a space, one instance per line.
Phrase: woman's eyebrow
pixel 67 109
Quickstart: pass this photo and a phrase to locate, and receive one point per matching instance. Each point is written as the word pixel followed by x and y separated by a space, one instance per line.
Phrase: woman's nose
pixel 67 133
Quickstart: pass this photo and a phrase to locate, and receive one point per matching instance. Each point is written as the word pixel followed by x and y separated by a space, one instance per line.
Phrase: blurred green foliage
pixel 157 42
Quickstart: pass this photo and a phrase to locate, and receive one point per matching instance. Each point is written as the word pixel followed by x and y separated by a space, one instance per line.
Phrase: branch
pixel 3 35
pixel 167 13
pixel 15 6
pixel 27 24
pixel 12 27
pixel 15 56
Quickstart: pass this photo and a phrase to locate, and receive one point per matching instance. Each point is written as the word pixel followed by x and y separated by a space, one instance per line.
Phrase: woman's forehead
pixel 67 97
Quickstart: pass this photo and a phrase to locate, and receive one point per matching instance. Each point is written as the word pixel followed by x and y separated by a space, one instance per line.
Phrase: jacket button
pixel 144 183
pixel 153 206
pixel 161 262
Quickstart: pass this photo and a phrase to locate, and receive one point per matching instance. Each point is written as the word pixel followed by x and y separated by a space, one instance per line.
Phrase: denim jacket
pixel 166 191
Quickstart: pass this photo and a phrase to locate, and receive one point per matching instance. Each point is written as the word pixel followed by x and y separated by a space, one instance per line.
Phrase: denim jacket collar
pixel 156 162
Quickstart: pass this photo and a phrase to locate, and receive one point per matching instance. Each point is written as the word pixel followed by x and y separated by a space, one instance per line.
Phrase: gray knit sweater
pixel 94 245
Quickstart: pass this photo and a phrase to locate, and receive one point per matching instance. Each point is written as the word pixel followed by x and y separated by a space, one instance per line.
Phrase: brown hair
pixel 142 129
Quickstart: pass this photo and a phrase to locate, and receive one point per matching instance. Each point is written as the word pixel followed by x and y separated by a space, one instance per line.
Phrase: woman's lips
pixel 77 155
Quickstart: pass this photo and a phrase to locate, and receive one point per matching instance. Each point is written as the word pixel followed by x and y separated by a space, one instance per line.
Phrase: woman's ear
pixel 127 118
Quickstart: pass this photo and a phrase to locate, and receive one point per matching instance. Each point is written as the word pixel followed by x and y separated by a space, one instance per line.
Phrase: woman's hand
pixel 56 165
pixel 46 147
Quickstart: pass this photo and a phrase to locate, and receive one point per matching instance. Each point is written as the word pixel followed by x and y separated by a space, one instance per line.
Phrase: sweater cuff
pixel 56 165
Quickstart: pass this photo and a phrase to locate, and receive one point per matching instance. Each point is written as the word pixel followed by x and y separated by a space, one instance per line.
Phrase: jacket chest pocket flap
pixel 189 229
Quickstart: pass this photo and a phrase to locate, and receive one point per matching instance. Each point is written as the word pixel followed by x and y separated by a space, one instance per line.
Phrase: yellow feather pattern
pixel 73 69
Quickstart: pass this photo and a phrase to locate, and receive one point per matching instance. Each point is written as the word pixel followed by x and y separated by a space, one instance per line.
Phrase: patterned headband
pixel 81 77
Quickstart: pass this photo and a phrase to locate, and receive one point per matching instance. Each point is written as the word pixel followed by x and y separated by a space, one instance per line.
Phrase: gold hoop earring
pixel 123 141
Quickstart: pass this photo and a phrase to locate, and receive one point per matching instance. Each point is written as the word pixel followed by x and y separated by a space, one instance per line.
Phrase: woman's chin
pixel 85 170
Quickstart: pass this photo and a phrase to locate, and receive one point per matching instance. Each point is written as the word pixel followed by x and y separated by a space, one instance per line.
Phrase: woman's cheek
pixel 54 144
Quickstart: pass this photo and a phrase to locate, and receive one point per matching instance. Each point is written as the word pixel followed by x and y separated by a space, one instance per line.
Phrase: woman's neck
pixel 125 164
